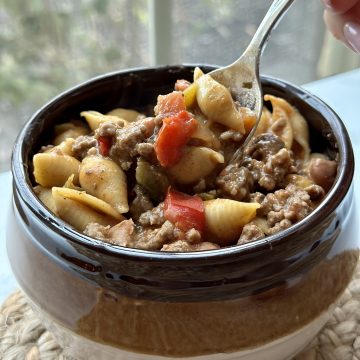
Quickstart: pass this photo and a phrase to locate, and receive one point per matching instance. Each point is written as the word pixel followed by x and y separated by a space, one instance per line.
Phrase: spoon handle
pixel 272 17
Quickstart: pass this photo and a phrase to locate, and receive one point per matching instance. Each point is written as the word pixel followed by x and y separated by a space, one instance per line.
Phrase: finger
pixel 346 27
pixel 339 6
pixel 335 23
pixel 352 27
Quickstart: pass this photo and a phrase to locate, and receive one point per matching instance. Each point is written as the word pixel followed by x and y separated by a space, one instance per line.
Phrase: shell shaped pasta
pixel 68 130
pixel 64 148
pixel 104 179
pixel 264 123
pixel 77 214
pixel 204 135
pixel 69 184
pixel 87 200
pixel 45 195
pixel 94 119
pixel 225 219
pixel 195 164
pixel 281 125
pixel 53 169
pixel 190 96
pixel 197 73
pixel 126 114
pixel 262 223
pixel 301 147
pixel 300 129
pixel 217 105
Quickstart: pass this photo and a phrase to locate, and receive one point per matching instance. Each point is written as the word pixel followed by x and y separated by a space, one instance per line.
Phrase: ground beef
pixel 316 192
pixel 184 246
pixel 121 234
pixel 97 231
pixel 82 145
pixel 140 204
pixel 154 217
pixel 285 207
pixel 128 235
pixel 154 239
pixel 109 128
pixel 235 182
pixel 263 146
pixel 146 150
pixel 125 148
pixel 250 232
pixel 192 236
pixel 269 161
pixel 279 226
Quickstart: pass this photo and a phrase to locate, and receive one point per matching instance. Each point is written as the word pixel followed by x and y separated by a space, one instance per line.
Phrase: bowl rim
pixel 342 184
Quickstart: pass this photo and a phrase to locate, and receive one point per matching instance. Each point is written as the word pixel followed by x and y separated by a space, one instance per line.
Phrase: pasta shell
pixel 64 148
pixel 299 126
pixel 195 164
pixel 68 130
pixel 53 169
pixel 217 105
pixel 126 114
pixel 78 214
pixel 94 119
pixel 104 179
pixel 69 184
pixel 45 195
pixel 281 125
pixel 225 219
pixel 301 147
pixel 262 223
pixel 204 136
pixel 197 73
pixel 264 123
pixel 190 96
pixel 87 200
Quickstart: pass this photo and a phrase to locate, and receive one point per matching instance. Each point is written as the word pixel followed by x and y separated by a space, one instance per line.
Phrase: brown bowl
pixel 102 300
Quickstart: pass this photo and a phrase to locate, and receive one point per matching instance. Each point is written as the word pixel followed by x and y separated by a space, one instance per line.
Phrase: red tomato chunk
pixel 185 211
pixel 105 144
pixel 174 134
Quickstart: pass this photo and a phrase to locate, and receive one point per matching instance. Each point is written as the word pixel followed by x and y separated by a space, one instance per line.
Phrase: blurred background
pixel 47 46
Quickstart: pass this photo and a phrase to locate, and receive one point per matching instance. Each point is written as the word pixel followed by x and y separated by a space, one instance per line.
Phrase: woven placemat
pixel 22 336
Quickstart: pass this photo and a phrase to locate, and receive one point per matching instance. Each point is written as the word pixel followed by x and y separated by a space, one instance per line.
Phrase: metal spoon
pixel 242 77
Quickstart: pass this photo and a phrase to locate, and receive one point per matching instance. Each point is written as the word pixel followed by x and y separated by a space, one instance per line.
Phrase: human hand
pixel 342 17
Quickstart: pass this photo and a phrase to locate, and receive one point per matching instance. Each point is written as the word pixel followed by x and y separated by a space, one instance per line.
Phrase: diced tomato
pixel 174 134
pixel 105 144
pixel 170 104
pixel 184 211
pixel 182 85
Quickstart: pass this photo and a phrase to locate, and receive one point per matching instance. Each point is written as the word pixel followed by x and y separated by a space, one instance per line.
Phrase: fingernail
pixel 352 35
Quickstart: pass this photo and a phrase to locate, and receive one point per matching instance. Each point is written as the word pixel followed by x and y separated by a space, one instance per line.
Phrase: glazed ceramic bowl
pixel 262 300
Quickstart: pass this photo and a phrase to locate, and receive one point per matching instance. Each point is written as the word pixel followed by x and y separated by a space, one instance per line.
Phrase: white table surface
pixel 341 92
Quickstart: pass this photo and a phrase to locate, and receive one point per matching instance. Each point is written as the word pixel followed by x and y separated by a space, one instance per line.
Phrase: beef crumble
pixel 128 140
pixel 269 161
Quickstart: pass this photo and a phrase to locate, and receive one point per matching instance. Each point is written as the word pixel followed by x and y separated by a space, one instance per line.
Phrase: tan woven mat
pixel 22 337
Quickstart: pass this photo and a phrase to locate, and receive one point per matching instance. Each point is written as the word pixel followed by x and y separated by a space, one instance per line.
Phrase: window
pixel 48 45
